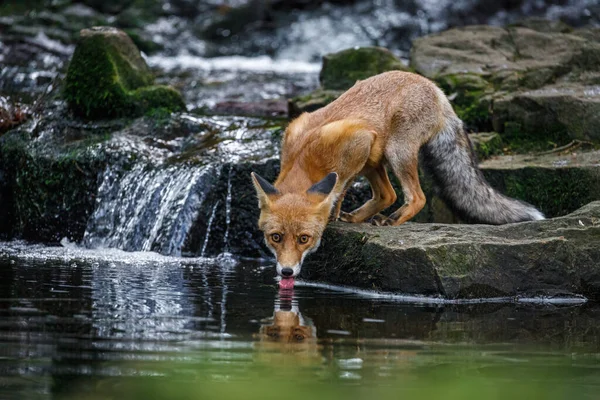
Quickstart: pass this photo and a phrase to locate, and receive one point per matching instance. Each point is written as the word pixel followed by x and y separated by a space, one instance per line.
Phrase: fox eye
pixel 276 237
pixel 303 239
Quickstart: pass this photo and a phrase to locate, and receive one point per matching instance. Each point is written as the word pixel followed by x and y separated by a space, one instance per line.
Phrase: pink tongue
pixel 287 283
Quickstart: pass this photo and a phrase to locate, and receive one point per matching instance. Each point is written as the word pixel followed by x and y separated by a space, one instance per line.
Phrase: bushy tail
pixel 450 158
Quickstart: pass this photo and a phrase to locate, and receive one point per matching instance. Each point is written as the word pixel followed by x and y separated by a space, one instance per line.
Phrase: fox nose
pixel 287 272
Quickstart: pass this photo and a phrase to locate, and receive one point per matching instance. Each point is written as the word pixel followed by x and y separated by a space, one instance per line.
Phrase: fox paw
pixel 345 217
pixel 378 219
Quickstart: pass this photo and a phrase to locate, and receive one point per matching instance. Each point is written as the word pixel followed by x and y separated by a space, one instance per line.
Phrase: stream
pixel 75 319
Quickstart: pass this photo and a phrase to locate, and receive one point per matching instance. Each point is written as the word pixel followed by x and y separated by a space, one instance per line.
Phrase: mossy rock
pixel 460 261
pixel 486 144
pixel 556 113
pixel 537 77
pixel 46 198
pixel 312 101
pixel 555 183
pixel 341 70
pixel 107 77
pixel 470 95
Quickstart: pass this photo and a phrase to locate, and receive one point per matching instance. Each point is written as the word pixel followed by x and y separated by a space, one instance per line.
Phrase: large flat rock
pixel 554 257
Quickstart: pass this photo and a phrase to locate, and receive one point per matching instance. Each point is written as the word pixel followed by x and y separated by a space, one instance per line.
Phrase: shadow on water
pixel 139 324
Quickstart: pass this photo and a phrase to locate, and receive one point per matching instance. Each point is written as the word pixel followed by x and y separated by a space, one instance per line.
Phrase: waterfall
pixel 208 227
pixel 227 213
pixel 148 209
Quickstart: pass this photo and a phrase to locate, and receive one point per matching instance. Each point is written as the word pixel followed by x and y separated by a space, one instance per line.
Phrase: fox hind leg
pixel 383 196
pixel 405 164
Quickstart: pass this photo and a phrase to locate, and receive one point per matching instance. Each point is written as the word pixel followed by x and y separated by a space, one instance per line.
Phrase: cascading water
pixel 227 212
pixel 210 222
pixel 148 209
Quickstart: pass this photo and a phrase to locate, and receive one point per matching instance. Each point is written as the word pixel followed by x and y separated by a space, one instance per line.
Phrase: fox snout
pixel 289 271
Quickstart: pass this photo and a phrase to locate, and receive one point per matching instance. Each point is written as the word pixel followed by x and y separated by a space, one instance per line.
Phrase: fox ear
pixel 325 185
pixel 263 189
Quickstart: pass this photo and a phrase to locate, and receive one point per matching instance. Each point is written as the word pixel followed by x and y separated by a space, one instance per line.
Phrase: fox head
pixel 293 223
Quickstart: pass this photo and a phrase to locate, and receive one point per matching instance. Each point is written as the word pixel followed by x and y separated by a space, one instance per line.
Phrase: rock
pixel 465 261
pixel 341 70
pixel 541 82
pixel 45 198
pixel 557 183
pixel 107 77
pixel 486 144
pixel 265 108
pixel 567 108
pixel 312 101
pixel 184 179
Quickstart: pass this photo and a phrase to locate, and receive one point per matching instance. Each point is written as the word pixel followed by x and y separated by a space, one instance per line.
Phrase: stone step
pixel 559 256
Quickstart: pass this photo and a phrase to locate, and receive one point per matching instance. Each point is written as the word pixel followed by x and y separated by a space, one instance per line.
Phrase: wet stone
pixel 465 261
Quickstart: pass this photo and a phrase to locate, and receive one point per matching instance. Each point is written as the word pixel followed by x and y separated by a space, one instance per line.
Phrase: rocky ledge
pixel 554 257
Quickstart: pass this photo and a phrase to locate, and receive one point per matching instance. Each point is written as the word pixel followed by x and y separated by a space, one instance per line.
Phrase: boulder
pixel 107 77
pixel 552 257
pixel 540 79
pixel 340 71
pixel 311 101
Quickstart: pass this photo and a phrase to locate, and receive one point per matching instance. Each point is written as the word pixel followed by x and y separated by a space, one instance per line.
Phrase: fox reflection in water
pixel 287 335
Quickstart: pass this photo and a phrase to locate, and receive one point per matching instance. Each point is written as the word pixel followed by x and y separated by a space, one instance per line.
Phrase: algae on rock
pixel 340 71
pixel 108 77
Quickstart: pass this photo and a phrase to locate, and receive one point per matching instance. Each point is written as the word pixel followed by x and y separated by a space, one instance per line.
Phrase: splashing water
pixel 147 209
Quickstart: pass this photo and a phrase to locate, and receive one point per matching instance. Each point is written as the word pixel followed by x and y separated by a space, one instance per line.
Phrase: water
pixel 76 322
pixel 148 209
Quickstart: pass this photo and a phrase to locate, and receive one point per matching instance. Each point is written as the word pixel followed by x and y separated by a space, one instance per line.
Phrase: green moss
pixel 555 192
pixel 51 197
pixel 487 144
pixel 163 97
pixel 516 140
pixel 341 70
pixel 312 101
pixel 108 78
pixel 469 98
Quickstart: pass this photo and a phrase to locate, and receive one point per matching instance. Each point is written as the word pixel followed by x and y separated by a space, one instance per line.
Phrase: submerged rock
pixel 535 79
pixel 555 256
pixel 108 77
pixel 340 71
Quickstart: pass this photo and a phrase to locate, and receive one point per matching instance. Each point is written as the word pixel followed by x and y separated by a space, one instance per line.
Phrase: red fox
pixel 387 120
